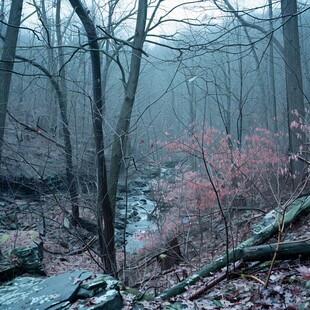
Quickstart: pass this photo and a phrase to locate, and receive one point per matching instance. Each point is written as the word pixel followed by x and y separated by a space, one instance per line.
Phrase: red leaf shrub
pixel 236 171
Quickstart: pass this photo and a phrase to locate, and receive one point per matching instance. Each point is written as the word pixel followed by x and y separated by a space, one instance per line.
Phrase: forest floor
pixel 64 250
pixel 288 288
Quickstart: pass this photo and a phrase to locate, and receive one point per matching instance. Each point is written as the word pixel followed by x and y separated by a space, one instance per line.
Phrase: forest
pixel 163 144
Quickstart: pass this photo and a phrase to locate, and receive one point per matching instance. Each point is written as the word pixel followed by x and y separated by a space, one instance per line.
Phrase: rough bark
pixel 299 207
pixel 105 218
pixel 7 62
pixel 294 87
pixel 171 256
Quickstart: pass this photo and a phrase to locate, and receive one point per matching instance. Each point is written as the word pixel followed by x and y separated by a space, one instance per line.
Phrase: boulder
pixel 77 289
pixel 19 261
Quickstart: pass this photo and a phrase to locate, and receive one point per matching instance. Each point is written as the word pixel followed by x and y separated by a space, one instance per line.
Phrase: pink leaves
pixel 304 271
pixel 295 112
pixel 294 124
pixel 233 166
pixel 236 170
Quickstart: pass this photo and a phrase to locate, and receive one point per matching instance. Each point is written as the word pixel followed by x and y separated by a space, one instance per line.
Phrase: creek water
pixel 134 207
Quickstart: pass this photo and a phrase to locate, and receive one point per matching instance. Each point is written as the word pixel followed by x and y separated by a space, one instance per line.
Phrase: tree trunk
pixel 63 103
pixel 122 128
pixel 298 250
pixel 105 219
pixel 2 15
pixel 48 36
pixel 7 63
pixel 294 87
pixel 272 81
pixel 241 99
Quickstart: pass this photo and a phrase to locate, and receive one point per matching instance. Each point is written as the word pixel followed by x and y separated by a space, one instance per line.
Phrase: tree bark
pixel 48 36
pixel 63 103
pixel 272 81
pixel 298 208
pixel 294 87
pixel 105 218
pixel 122 128
pixel 7 63
pixel 298 250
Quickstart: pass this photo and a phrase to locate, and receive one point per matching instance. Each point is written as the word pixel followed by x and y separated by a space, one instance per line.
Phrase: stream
pixel 20 198
pixel 139 209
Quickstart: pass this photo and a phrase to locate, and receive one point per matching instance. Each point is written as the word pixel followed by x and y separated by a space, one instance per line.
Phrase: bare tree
pixel 7 62
pixel 123 124
pixel 63 103
pixel 105 219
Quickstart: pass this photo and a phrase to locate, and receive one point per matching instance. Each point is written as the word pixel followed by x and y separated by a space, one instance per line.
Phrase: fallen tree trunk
pixel 297 208
pixel 296 250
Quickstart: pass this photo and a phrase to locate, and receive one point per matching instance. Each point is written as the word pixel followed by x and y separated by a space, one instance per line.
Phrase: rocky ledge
pixel 78 289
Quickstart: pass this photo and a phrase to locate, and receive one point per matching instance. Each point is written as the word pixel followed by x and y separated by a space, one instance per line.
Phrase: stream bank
pixel 25 202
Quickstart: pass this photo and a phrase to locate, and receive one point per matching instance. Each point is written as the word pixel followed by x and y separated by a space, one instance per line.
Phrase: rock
pixel 154 173
pixel 136 218
pixel 22 205
pixel 137 192
pixel 138 182
pixel 77 289
pixel 133 214
pixel 21 260
pixel 121 206
pixel 171 164
pixel 119 224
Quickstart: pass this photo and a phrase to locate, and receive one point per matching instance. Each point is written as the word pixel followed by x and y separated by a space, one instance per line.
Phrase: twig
pixel 75 252
pixel 250 276
pixel 27 127
pixel 212 283
pixel 281 229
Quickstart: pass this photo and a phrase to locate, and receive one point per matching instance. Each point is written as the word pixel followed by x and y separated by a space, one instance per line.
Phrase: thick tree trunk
pixel 299 207
pixel 7 62
pixel 298 250
pixel 294 87
pixel 105 217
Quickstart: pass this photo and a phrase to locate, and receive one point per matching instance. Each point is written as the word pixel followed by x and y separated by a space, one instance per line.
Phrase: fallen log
pixel 296 209
pixel 287 250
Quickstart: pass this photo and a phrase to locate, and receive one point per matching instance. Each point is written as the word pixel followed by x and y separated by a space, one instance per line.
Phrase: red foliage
pixel 236 170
